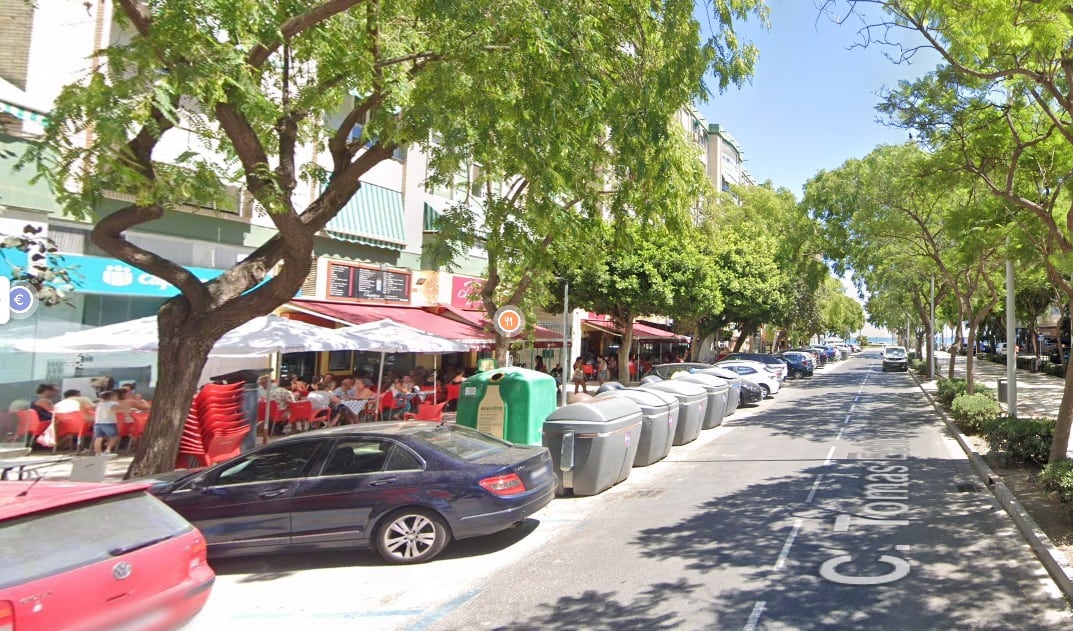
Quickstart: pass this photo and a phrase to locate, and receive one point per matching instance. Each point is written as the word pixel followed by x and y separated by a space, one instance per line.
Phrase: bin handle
pixel 566 455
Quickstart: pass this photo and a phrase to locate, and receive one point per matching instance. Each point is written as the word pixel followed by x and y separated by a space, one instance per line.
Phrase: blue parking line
pixel 443 611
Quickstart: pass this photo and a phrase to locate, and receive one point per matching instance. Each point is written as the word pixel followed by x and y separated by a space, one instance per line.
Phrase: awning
pixel 412 316
pixel 543 337
pixel 16 102
pixel 373 216
pixel 641 332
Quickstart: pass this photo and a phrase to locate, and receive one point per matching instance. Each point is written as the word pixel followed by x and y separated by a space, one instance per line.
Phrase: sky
pixel 811 102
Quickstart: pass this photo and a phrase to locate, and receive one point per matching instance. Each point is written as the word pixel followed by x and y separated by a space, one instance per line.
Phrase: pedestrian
pixel 106 422
pixel 538 364
pixel 578 377
pixel 603 375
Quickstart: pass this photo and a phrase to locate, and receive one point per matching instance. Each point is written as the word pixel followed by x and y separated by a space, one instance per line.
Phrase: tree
pixel 252 81
pixel 44 268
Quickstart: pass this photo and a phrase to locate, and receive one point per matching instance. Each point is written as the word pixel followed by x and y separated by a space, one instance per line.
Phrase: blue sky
pixel 811 102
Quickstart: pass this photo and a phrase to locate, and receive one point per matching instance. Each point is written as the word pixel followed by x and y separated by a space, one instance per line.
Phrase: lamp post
pixel 565 354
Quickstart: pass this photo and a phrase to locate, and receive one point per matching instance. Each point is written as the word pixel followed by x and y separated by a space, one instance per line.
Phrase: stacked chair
pixel 215 426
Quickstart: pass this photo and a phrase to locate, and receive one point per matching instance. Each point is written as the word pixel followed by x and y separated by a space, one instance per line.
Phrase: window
pixel 462 442
pixel 367 455
pixel 476 182
pixel 281 462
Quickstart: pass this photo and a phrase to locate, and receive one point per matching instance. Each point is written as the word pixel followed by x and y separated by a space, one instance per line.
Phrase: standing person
pixel 283 396
pixel 264 386
pixel 578 376
pixel 105 422
pixel 603 375
pixel 538 364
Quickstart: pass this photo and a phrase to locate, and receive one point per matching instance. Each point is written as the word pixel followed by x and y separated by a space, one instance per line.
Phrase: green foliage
pixel 1057 476
pixel 1024 440
pixel 971 411
pixel 949 389
pixel 43 268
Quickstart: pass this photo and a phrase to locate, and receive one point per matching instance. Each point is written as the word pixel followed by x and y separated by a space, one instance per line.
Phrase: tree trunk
pixel 182 357
pixel 502 350
pixel 1062 425
pixel 624 353
pixel 744 333
pixel 970 355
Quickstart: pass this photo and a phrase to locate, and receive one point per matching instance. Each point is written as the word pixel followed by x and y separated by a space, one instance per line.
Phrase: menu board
pixel 367 283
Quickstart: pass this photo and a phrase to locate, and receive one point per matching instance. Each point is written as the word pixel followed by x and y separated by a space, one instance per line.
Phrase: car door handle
pixel 384 482
pixel 271 494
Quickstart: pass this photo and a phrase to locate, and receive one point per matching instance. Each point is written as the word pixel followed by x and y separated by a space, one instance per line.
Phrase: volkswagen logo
pixel 122 570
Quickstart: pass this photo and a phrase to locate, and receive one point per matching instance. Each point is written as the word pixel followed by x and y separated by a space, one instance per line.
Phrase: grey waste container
pixel 692 406
pixel 732 378
pixel 1002 396
pixel 659 419
pixel 592 444
pixel 845 354
pixel 718 389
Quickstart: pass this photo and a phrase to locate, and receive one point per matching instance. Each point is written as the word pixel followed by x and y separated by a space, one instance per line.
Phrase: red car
pixel 97 556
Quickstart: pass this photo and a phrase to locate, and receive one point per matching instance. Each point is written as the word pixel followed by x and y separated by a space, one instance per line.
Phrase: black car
pixel 895 358
pixel 666 371
pixel 405 488
pixel 751 394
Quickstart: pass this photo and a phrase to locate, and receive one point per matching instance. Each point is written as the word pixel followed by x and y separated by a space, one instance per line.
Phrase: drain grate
pixel 969 488
pixel 648 494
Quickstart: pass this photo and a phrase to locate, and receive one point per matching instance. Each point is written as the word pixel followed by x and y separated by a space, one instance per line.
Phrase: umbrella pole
pixel 435 383
pixel 380 385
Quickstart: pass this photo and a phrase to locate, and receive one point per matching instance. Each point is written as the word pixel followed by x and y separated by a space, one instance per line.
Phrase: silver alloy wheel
pixel 767 390
pixel 411 536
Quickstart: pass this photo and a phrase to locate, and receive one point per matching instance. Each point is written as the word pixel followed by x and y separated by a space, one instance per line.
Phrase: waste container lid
pixel 707 380
pixel 679 387
pixel 644 397
pixel 599 410
pixel 722 373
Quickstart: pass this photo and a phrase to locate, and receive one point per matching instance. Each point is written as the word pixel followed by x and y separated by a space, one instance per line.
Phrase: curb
pixel 1054 560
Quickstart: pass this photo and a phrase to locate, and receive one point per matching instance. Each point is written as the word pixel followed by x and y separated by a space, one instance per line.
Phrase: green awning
pixel 372 217
pixel 22 113
pixel 432 219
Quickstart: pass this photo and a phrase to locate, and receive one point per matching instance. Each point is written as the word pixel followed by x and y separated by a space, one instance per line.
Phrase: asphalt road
pixel 840 504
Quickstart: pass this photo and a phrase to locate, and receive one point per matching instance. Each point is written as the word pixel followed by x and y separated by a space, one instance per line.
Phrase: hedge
pixel 1023 440
pixel 970 411
pixel 1058 477
pixel 949 389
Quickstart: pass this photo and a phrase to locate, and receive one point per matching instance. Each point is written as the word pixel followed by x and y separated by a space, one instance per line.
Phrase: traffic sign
pixel 508 321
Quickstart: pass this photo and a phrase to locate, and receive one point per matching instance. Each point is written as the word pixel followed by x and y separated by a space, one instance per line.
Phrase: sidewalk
pixel 1038 394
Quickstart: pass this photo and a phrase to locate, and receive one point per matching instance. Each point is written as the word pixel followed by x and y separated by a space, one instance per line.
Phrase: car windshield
pixel 896 352
pixel 45 544
pixel 462 442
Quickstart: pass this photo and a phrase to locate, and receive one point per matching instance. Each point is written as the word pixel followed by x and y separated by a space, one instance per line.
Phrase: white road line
pixel 839 437
pixel 786 546
pixel 830 453
pixel 754 617
pixel 812 491
pixel 853 406
pixel 856 399
pixel 848 417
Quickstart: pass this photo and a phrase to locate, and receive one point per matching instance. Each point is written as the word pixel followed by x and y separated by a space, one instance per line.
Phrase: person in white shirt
pixel 105 423
pixel 321 400
pixel 73 401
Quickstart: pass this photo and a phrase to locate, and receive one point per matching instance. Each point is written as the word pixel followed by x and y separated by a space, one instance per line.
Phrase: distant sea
pixel 880 340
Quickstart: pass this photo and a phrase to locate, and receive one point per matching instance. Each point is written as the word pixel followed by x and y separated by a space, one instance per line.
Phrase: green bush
pixel 948 389
pixel 1058 477
pixel 919 366
pixel 1023 440
pixel 970 411
pixel 1058 370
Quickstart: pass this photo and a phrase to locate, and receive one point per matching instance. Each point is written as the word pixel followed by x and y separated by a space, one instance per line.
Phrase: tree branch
pixel 260 53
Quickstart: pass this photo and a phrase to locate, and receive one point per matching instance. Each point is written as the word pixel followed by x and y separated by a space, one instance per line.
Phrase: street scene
pixel 425 315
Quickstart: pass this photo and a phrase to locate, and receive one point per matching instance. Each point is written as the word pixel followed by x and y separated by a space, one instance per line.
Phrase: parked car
pixel 798 364
pixel 404 488
pixel 776 363
pixel 756 372
pixel 1060 358
pixel 895 358
pixel 751 394
pixel 1002 348
pixel 97 556
pixel 1048 344
pixel 666 371
pixel 829 352
pixel 819 357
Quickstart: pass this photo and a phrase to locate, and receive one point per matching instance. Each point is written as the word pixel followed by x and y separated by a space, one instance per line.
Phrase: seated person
pixel 402 402
pixel 73 401
pixel 321 400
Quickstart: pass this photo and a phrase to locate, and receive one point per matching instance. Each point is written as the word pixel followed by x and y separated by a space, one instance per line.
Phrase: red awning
pixel 641 331
pixel 412 316
pixel 544 337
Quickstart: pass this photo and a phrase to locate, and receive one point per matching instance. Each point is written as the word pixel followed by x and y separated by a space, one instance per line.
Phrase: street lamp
pixel 565 364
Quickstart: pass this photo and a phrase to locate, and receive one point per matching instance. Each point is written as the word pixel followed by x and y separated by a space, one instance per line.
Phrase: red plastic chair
pixel 453 391
pixel 387 403
pixel 300 412
pixel 28 424
pixel 70 424
pixel 427 412
pixel 274 415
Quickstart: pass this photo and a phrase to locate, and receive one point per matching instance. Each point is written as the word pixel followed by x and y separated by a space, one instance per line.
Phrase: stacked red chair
pixel 215 426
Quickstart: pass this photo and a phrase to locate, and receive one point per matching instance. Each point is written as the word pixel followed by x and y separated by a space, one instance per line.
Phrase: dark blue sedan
pixel 405 488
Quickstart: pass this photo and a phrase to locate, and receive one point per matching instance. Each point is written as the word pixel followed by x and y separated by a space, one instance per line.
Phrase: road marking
pixel 853 406
pixel 786 546
pixel 848 417
pixel 830 453
pixel 812 491
pixel 839 437
pixel 754 617
pixel 442 611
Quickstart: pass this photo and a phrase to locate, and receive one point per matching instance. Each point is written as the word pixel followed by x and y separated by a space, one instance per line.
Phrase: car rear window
pixel 461 442
pixel 44 544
